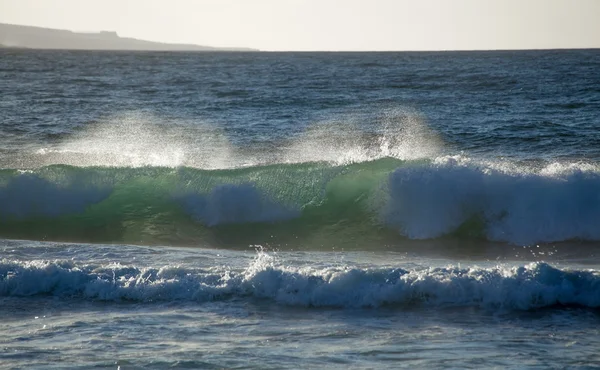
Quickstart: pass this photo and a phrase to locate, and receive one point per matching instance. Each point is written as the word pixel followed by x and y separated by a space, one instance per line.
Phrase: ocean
pixel 299 210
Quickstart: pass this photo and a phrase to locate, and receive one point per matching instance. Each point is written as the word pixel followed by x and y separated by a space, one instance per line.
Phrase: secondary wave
pixel 311 204
pixel 536 285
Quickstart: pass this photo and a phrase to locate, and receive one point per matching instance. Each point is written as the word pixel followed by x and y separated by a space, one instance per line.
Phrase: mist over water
pixel 137 139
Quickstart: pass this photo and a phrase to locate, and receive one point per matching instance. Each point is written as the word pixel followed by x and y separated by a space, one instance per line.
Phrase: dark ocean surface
pixel 299 210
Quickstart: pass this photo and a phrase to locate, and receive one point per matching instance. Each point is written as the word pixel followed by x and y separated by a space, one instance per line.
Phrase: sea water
pixel 299 210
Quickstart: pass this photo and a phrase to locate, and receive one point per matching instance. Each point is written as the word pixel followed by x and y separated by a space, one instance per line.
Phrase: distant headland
pixel 14 36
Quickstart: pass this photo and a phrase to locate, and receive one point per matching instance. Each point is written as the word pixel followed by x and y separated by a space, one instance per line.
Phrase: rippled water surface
pixel 299 210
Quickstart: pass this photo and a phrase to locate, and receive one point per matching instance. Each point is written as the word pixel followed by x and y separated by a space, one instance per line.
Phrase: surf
pixel 266 277
pixel 310 205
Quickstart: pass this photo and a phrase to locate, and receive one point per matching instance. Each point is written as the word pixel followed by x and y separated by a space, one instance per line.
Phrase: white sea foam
pixel 517 205
pixel 532 286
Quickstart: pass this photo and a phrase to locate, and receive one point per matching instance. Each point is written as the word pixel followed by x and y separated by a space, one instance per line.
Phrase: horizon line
pixel 258 50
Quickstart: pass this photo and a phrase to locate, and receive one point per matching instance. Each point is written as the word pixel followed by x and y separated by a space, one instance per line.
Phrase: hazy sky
pixel 327 24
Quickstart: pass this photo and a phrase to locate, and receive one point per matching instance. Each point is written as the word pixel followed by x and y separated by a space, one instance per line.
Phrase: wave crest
pixel 382 202
pixel 527 287
pixel 555 204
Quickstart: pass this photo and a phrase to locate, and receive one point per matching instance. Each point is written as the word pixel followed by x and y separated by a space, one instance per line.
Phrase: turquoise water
pixel 299 210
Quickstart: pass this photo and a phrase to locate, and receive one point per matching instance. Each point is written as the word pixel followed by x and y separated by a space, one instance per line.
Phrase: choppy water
pixel 412 209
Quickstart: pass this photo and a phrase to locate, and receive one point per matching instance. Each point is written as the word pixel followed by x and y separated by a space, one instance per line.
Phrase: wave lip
pixel 533 286
pixel 386 200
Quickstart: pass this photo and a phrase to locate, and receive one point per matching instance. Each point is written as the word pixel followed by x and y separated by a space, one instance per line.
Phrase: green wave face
pixel 310 204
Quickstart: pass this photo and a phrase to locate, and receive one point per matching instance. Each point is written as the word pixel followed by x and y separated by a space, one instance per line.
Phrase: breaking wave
pixel 533 286
pixel 319 203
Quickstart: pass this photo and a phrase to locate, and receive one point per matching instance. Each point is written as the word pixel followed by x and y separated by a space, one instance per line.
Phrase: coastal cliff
pixel 15 36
